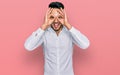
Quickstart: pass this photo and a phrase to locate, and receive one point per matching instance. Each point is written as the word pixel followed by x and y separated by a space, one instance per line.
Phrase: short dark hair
pixel 56 5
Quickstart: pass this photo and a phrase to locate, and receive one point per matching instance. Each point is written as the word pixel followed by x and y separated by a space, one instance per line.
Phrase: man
pixel 57 38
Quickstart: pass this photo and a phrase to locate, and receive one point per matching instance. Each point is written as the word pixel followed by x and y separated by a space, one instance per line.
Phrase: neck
pixel 58 31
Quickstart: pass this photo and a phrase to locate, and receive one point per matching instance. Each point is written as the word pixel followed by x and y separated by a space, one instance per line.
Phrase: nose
pixel 56 20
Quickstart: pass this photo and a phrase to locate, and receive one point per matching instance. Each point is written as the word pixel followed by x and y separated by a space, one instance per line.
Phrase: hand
pixel 47 22
pixel 65 23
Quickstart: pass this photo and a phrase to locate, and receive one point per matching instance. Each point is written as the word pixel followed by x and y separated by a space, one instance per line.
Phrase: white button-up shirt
pixel 58 50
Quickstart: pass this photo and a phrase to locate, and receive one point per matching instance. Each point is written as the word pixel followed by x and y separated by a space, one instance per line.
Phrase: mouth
pixel 56 25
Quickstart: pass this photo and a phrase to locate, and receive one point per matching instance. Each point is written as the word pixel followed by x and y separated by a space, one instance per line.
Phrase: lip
pixel 56 25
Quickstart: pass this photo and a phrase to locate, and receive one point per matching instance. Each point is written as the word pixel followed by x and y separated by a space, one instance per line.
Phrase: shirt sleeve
pixel 34 40
pixel 79 39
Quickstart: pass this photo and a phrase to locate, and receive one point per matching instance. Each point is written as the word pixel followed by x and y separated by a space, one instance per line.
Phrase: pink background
pixel 99 20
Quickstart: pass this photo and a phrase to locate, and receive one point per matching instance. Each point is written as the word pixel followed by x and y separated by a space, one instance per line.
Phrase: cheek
pixel 50 21
pixel 61 20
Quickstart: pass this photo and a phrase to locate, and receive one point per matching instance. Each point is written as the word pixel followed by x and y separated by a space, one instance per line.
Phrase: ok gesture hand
pixel 47 21
pixel 65 23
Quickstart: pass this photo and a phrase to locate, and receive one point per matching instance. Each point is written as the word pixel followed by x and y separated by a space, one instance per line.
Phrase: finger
pixel 47 12
pixel 64 13
pixel 50 11
pixel 60 21
pixel 61 9
pixel 60 12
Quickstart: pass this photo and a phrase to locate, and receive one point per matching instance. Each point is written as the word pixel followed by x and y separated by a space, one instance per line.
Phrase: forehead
pixel 55 11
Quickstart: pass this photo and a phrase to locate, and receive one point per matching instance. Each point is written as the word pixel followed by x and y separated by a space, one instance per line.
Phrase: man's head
pixel 56 5
pixel 56 15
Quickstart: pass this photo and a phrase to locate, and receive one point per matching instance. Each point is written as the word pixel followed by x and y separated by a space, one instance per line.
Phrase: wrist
pixel 43 27
pixel 68 26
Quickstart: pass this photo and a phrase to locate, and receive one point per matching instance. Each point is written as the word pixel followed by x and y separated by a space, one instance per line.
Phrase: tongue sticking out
pixel 56 25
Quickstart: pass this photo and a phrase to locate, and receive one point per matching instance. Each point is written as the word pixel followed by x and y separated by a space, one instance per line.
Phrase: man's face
pixel 57 18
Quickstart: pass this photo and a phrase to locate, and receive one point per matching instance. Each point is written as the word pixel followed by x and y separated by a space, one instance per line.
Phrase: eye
pixel 51 17
pixel 60 17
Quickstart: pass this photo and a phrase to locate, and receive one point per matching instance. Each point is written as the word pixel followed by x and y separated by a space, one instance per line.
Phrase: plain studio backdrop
pixel 99 20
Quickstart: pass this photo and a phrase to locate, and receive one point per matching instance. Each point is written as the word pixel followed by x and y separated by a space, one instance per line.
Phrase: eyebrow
pixel 58 15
